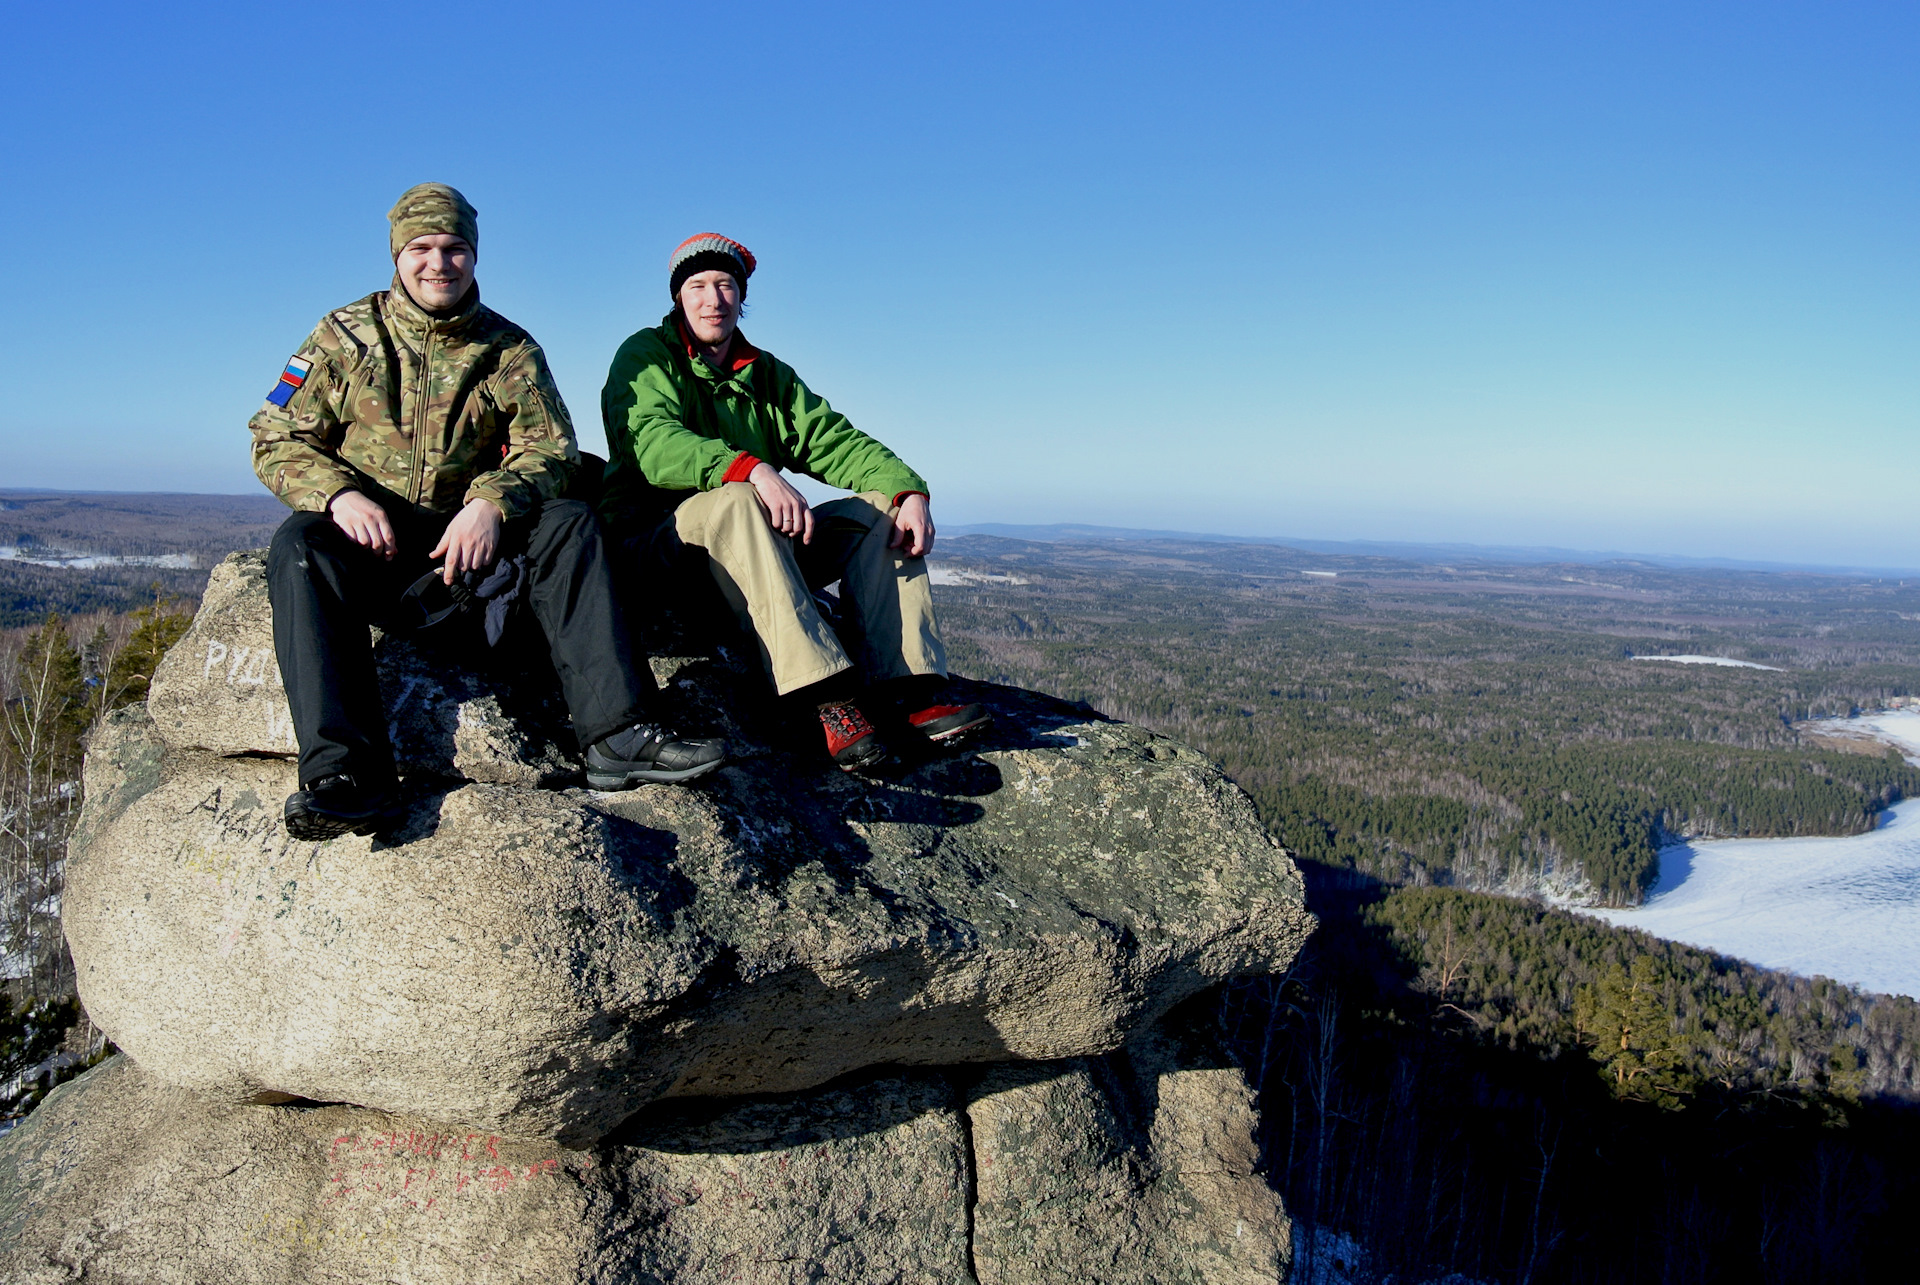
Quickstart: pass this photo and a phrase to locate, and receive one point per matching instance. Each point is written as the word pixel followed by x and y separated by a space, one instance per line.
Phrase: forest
pixel 1475 1084
pixel 1487 1087
pixel 189 532
pixel 1482 728
pixel 57 681
pixel 84 620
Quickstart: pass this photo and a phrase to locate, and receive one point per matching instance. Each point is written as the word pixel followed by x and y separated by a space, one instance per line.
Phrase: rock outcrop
pixel 633 1001
pixel 218 692
pixel 1132 1169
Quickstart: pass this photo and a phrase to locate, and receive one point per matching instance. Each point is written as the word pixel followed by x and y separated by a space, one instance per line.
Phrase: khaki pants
pixel 768 579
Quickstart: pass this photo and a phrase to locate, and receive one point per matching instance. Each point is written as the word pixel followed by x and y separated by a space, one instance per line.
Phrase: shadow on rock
pixel 846 1108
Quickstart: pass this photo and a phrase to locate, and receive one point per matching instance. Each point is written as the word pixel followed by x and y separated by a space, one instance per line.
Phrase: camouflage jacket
pixel 436 410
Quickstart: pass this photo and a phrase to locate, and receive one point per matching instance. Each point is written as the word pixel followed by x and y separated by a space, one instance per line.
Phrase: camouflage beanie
pixel 428 208
pixel 708 252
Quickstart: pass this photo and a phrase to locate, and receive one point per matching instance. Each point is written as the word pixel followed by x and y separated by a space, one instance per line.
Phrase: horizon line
pixel 1519 554
pixel 1504 553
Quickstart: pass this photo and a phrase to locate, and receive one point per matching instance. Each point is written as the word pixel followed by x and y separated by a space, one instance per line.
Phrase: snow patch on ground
pixel 1565 886
pixel 1845 908
pixel 1714 660
pixel 39 557
pixel 1897 727
pixel 960 575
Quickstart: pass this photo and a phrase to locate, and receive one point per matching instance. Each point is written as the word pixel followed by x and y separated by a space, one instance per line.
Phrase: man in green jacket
pixel 413 426
pixel 700 424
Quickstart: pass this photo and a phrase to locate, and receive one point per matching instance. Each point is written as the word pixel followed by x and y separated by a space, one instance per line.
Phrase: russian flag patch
pixel 290 380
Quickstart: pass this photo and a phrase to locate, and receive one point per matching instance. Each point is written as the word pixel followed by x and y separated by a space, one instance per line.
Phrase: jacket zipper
pixel 415 479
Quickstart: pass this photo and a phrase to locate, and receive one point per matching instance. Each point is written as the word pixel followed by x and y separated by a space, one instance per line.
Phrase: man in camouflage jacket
pixel 419 425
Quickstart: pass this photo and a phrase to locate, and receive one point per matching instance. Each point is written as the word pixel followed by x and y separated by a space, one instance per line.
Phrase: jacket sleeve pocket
pixel 538 456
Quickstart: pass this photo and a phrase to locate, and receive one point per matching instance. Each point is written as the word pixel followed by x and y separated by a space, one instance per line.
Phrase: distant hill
pixel 77 552
pixel 135 523
pixel 1428 553
pixel 81 551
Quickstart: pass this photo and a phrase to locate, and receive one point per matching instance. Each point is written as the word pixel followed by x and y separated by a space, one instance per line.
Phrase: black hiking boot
pixel 649 753
pixel 336 805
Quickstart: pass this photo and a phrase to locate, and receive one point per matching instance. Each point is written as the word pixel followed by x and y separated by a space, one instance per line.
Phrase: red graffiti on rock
pixel 422 1170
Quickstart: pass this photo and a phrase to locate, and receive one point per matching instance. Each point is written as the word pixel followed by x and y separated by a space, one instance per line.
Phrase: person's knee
pixel 855 511
pixel 735 508
pixel 297 537
pixel 737 498
pixel 869 507
pixel 562 528
pixel 566 513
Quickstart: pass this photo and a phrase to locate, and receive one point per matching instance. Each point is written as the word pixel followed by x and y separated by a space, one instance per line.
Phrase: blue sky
pixel 1634 276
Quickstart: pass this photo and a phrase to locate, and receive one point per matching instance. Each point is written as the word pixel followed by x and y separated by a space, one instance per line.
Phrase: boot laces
pixel 844 724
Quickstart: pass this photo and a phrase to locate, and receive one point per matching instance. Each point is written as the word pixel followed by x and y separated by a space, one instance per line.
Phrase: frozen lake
pixel 1848 908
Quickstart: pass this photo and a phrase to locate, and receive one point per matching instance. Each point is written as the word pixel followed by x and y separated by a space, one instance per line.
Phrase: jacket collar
pixel 418 321
pixel 740 356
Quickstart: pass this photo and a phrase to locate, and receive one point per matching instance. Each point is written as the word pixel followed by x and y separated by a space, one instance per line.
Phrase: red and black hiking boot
pixel 851 740
pixel 945 724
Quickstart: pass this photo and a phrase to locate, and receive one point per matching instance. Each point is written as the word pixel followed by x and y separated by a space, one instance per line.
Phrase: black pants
pixel 326 590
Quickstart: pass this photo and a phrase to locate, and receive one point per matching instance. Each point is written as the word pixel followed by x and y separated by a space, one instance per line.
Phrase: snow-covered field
pixel 1898 726
pixel 960 575
pixel 86 561
pixel 1845 908
pixel 1712 660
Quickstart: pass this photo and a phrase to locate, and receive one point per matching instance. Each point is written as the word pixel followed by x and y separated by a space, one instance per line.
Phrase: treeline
pixel 1663 1022
pixel 1468 1083
pixel 204 528
pixel 56 683
pixel 1520 814
pixel 29 593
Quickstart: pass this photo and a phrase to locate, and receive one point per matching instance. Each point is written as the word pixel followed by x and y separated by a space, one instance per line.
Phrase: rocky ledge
pixel 543 962
pixel 1132 1169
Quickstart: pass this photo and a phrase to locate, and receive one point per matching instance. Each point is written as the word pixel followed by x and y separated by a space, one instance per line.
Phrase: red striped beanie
pixel 708 252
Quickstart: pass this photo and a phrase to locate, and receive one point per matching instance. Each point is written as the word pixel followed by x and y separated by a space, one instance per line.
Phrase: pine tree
pixel 1630 1020
pixel 46 710
pixel 120 669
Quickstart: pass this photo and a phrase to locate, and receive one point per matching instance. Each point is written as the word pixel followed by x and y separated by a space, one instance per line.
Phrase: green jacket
pixel 675 425
pixel 436 410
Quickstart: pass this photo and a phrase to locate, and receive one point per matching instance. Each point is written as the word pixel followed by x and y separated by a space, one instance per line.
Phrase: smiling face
pixel 436 269
pixel 710 301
